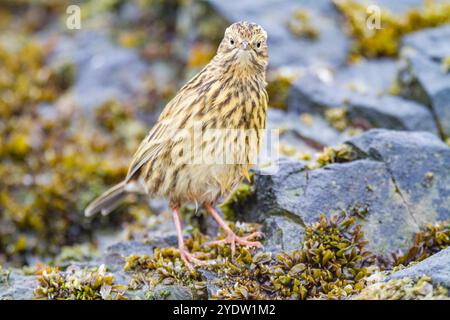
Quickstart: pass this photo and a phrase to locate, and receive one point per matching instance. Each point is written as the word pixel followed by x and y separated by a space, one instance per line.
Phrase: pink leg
pixel 187 257
pixel 232 238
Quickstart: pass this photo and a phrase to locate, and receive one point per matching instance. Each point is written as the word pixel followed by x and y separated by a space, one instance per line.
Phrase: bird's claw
pixel 190 260
pixel 232 239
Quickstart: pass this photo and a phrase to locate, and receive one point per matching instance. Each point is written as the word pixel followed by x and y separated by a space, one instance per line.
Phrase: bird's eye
pixel 258 44
pixel 231 41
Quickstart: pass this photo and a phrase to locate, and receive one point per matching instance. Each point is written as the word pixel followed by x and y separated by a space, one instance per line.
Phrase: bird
pixel 206 138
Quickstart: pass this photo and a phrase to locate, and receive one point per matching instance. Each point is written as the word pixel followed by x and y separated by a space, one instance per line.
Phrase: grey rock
pixel 437 267
pixel 288 50
pixel 366 109
pixel 422 76
pixel 388 178
pixel 285 48
pixel 104 70
pixel 127 248
pixel 282 234
pixel 433 42
pixel 18 287
pixel 373 77
pixel 419 165
pixel 397 7
pixel 314 136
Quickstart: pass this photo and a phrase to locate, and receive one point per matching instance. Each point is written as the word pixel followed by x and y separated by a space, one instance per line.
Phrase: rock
pixel 126 248
pixel 436 267
pixel 310 136
pixel 398 180
pixel 419 165
pixel 18 287
pixel 430 42
pixel 365 107
pixel 373 77
pixel 104 70
pixel 282 234
pixel 423 75
pixel 286 49
pixel 397 7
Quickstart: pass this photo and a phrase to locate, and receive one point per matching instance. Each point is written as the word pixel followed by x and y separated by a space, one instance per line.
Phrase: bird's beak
pixel 244 45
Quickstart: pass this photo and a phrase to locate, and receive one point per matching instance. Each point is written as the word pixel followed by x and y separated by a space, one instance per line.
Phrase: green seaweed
pixel 80 284
pixel 278 88
pixel 301 26
pixel 51 165
pixel 230 206
pixel 430 240
pixel 338 118
pixel 331 264
pixel 339 154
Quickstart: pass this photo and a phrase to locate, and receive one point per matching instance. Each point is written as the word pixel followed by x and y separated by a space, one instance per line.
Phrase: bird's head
pixel 244 46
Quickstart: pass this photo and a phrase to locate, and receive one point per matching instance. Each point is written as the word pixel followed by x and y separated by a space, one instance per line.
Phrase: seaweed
pixel 339 154
pixel 385 41
pixel 300 25
pixel 77 284
pixel 430 240
pixel 52 165
pixel 338 118
pixel 420 288
pixel 331 264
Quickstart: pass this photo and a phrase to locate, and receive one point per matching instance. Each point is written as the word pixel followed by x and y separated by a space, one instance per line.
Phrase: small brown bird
pixel 225 104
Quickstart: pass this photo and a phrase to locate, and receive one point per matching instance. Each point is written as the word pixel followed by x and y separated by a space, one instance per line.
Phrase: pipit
pixel 226 103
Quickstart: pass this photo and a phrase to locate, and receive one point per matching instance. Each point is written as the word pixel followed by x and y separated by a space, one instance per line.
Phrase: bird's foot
pixel 190 260
pixel 232 239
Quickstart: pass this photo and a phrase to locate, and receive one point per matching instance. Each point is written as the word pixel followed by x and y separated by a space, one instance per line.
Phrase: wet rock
pixel 286 49
pixel 436 267
pixel 397 181
pixel 104 70
pixel 423 75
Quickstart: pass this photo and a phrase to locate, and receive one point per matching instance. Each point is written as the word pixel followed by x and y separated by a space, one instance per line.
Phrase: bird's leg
pixel 232 238
pixel 187 257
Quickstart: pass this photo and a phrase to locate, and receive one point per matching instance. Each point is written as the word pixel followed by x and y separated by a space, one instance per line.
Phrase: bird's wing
pixel 148 148
pixel 164 131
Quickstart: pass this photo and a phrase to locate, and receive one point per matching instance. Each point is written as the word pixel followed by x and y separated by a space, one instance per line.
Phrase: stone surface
pixel 285 48
pixel 365 108
pixel 437 267
pixel 308 136
pixel 419 165
pixel 18 287
pixel 104 70
pixel 399 179
pixel 430 42
pixel 423 76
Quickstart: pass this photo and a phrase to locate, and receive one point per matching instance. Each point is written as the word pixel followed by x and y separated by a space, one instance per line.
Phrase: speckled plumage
pixel 229 93
pixel 225 94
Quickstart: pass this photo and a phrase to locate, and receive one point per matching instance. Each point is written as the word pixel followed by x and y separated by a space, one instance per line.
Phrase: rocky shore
pixel 358 208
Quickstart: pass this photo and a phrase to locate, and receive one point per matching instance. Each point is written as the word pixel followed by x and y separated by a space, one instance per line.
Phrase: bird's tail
pixel 108 201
